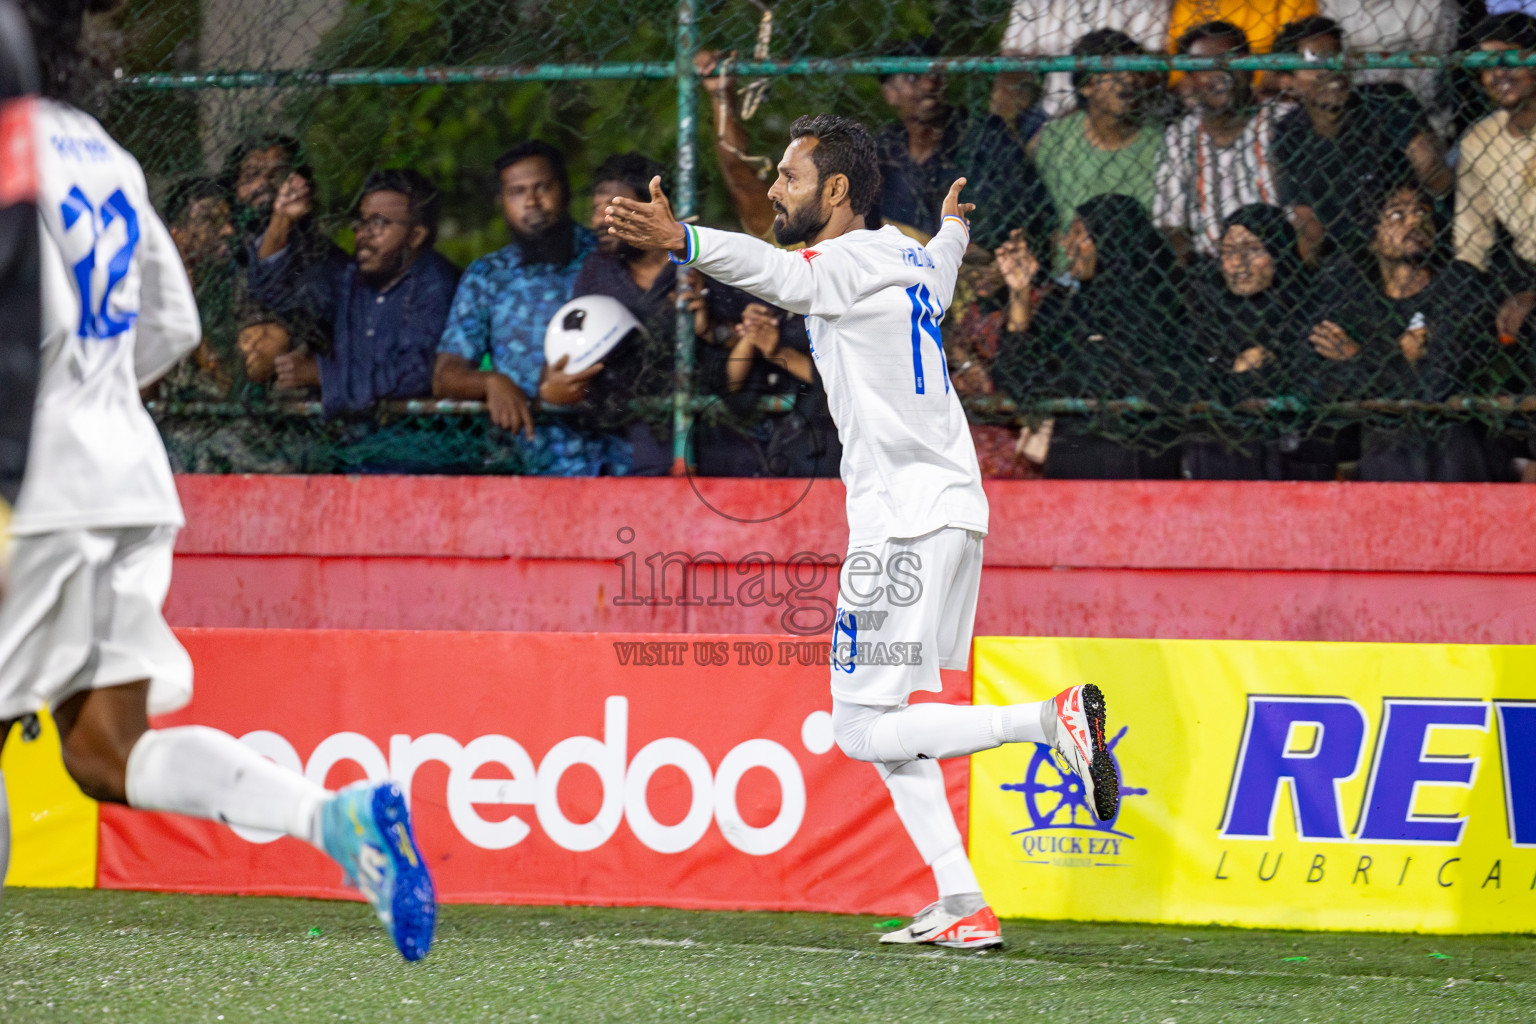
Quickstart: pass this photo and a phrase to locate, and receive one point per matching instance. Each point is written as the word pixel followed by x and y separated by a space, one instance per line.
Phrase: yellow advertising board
pixel 1298 785
pixel 53 825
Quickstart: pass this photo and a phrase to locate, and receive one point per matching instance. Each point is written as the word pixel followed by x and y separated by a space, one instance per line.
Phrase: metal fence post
pixel 684 206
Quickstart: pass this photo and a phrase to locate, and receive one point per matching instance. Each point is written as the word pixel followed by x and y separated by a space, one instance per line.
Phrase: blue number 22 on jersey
pixel 926 314
pixel 96 321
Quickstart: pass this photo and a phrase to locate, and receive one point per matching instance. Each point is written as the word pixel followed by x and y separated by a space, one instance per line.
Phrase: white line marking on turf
pixel 996 960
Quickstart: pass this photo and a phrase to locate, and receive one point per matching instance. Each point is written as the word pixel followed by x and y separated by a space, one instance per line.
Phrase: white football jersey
pixel 118 312
pixel 873 301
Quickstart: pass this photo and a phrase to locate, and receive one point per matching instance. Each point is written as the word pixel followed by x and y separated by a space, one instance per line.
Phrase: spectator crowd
pixel 1217 239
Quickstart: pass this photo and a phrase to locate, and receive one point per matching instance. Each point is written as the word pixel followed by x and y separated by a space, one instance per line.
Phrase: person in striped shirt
pixel 1216 158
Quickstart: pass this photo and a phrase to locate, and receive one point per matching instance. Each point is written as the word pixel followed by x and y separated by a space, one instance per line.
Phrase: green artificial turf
pixel 69 955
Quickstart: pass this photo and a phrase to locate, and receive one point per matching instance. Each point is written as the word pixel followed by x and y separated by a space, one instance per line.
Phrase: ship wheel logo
pixel 1056 798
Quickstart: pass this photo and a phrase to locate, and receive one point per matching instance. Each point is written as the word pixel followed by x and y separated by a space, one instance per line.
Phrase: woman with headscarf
pixel 1110 333
pixel 1248 313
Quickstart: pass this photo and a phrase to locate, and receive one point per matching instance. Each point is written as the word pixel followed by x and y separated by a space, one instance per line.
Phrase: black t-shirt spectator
pixel 1457 308
pixel 1002 182
pixel 913 193
pixel 1336 176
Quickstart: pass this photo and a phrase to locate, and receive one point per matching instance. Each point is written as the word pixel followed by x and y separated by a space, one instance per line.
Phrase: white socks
pixel 953 874
pixel 1023 723
pixel 205 773
pixel 906 744
pixel 933 731
pixel 917 790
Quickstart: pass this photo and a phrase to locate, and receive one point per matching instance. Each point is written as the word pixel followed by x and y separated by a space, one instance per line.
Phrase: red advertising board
pixel 651 769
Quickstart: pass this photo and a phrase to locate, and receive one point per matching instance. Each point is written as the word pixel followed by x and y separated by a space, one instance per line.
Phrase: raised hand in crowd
pixel 756 334
pixel 760 326
pixel 1018 265
pixel 1330 341
pixel 295 201
pixel 744 183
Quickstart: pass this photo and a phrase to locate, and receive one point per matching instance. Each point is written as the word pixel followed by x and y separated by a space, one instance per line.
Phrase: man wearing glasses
pixel 391 303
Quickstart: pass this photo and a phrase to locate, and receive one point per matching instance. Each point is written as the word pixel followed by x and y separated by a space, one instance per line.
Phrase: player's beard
pixel 555 244
pixel 801 226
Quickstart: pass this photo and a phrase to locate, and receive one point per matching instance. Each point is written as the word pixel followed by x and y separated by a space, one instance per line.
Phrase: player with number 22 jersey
pixel 81 630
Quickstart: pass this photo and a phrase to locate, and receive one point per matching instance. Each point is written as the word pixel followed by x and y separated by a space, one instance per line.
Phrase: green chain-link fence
pixel 1266 255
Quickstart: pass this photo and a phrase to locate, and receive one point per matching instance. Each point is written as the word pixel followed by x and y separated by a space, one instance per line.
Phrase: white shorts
pixel 83 612
pixel 905 609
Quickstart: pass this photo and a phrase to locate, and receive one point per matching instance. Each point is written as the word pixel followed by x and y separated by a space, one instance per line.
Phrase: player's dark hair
pixel 1290 37
pixel 185 192
pixel 1514 27
pixel 843 146
pixel 57 26
pixel 1214 30
pixel 420 195
pixel 633 169
pixel 530 148
pixel 1102 42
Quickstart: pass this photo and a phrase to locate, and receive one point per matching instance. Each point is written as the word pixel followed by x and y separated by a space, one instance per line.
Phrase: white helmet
pixel 586 329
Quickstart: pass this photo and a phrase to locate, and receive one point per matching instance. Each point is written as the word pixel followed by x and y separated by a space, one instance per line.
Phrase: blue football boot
pixel 367 830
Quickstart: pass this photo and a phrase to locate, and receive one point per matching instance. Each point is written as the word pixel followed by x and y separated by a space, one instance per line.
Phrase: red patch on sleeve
pixel 18 155
pixel 809 254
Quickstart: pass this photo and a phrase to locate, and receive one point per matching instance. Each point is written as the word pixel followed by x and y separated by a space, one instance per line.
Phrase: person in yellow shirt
pixel 1260 20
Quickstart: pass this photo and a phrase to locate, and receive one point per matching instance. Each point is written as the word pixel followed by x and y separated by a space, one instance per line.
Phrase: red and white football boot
pixel 935 927
pixel 1076 730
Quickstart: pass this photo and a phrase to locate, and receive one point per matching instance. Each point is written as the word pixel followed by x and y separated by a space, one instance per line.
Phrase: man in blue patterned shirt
pixel 503 304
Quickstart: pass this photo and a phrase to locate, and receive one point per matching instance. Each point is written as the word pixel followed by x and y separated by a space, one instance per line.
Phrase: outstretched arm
pixel 647 225
pixel 948 246
pixel 796 281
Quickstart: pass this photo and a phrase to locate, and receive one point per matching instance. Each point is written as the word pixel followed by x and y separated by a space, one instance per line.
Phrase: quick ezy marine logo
pixel 1062 831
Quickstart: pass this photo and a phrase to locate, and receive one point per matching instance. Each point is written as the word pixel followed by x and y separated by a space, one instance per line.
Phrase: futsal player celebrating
pixel 81 631
pixel 873 301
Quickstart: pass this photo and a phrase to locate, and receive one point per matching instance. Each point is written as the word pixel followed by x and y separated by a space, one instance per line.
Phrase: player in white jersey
pixel 873 301
pixel 81 631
